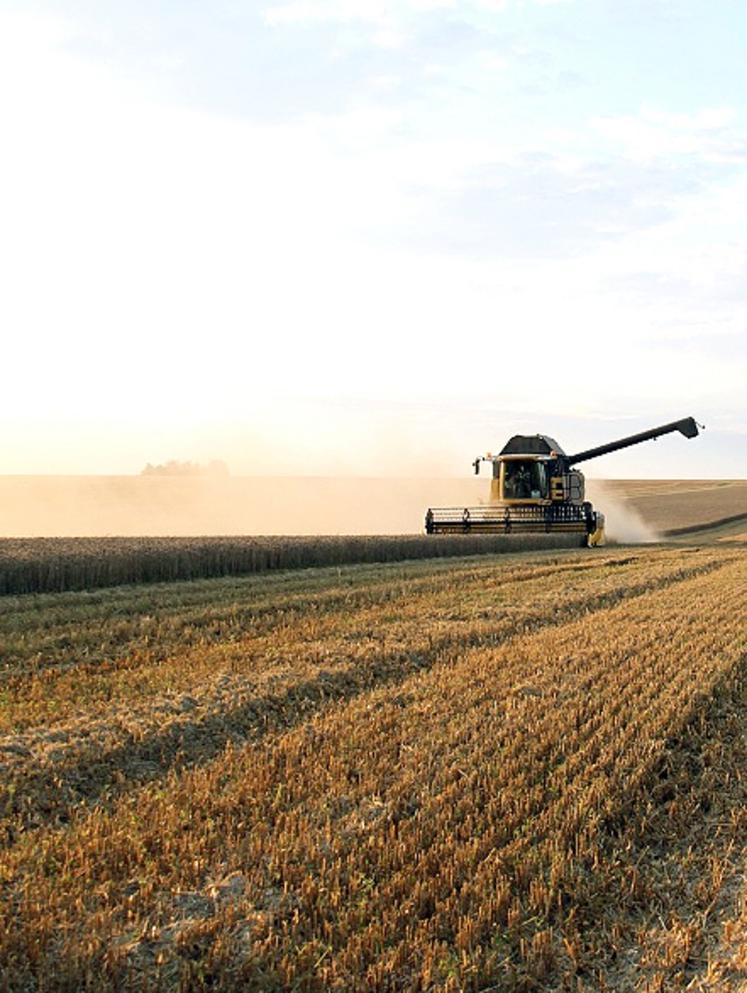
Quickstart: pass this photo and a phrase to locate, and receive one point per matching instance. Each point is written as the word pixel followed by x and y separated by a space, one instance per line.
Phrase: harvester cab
pixel 535 488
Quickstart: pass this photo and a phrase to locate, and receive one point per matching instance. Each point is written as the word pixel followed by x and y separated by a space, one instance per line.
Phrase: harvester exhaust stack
pixel 535 488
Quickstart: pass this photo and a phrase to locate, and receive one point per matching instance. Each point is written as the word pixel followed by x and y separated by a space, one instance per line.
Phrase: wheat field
pixel 514 772
pixel 41 565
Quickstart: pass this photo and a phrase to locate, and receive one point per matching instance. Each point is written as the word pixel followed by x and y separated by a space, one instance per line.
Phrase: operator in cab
pixel 518 481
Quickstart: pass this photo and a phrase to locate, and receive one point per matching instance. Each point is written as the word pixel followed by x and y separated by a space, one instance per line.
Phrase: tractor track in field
pixel 53 771
pixel 696 529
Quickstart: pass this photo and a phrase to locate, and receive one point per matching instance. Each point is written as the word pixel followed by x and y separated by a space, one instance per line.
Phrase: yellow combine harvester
pixel 536 489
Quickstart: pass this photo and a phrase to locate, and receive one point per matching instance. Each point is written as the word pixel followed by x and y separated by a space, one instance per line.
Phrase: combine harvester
pixel 535 489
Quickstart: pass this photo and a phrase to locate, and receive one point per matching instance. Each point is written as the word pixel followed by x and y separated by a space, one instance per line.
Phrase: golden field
pixel 680 505
pixel 511 772
pixel 42 565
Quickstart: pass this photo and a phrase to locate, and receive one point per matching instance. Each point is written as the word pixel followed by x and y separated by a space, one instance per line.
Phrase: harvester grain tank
pixel 535 488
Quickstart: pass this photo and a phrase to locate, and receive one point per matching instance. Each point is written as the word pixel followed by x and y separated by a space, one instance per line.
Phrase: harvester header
pixel 535 488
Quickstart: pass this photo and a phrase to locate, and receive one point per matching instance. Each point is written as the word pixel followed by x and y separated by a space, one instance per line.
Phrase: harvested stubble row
pixel 452 831
pixel 242 689
pixel 35 565
pixel 90 626
pixel 52 674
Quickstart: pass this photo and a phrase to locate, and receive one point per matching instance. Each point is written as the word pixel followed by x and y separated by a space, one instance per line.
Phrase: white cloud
pixel 382 12
pixel 710 133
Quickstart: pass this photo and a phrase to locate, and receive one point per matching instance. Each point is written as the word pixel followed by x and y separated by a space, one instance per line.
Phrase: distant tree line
pixel 174 468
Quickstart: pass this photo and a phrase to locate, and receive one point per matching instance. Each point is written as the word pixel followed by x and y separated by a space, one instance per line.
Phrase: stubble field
pixel 514 772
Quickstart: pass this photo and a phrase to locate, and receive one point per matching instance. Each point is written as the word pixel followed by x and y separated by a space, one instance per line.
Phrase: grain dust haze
pixel 95 506
pixel 88 506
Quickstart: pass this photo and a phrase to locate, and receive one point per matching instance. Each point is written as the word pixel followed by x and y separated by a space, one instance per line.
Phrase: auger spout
pixel 687 426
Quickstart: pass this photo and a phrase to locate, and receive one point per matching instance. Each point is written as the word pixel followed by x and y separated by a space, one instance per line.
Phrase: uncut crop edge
pixel 50 565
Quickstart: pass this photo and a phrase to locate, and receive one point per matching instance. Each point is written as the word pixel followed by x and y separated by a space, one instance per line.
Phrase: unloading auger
pixel 534 488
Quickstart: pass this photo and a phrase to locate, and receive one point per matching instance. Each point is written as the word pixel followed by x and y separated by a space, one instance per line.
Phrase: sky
pixel 371 237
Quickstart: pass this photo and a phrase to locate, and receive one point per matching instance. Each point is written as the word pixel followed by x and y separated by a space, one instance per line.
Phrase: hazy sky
pixel 371 237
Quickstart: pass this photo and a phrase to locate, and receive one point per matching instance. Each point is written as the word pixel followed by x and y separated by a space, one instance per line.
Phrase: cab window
pixel 525 480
